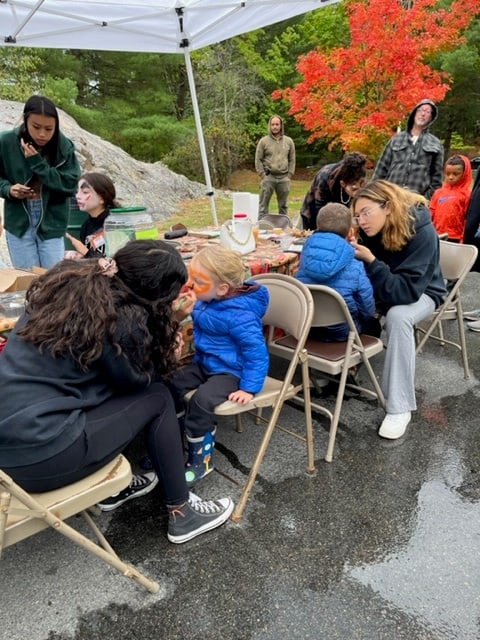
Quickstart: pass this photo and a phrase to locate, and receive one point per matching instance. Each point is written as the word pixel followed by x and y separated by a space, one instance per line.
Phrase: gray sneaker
pixel 472 315
pixel 196 517
pixel 474 326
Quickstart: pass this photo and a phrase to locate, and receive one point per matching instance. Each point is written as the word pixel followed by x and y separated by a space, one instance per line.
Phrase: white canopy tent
pixel 162 26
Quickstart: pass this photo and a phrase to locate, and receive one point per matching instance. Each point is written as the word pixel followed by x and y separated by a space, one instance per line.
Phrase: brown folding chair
pixel 291 310
pixel 24 514
pixel 335 358
pixel 456 260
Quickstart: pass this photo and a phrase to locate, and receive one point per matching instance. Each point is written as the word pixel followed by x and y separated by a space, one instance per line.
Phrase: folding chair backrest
pixel 456 259
pixel 290 309
pixel 329 307
pixel 291 304
pixel 279 220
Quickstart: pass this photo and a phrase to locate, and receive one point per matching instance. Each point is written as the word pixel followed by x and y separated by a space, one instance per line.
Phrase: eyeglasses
pixel 366 213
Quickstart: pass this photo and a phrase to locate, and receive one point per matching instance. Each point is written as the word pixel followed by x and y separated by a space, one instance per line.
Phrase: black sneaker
pixel 196 517
pixel 140 485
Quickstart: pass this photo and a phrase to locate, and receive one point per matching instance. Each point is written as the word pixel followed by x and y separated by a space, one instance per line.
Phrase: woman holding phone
pixel 39 172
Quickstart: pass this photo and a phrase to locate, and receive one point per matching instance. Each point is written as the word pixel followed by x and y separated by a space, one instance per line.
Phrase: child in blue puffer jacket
pixel 328 258
pixel 231 358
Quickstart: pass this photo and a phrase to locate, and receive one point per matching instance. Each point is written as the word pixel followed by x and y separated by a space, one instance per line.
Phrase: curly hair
pixel 353 167
pixel 74 307
pixel 399 224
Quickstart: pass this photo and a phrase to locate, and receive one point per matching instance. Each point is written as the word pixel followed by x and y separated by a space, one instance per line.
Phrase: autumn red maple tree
pixel 356 96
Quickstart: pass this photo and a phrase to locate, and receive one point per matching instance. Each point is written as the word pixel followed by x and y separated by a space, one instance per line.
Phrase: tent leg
pixel 201 139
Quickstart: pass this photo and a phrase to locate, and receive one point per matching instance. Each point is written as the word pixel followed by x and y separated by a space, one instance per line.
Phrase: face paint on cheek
pixel 200 283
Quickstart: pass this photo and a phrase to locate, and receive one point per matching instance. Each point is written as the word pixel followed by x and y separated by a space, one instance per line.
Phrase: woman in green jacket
pixel 39 172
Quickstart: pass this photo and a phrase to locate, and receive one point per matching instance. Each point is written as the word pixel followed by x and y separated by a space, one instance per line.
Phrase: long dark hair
pixel 39 105
pixel 135 304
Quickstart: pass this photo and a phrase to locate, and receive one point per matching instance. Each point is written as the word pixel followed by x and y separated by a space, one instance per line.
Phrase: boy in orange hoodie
pixel 449 203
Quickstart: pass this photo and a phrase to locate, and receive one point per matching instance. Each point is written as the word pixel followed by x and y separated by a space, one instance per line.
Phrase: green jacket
pixel 59 183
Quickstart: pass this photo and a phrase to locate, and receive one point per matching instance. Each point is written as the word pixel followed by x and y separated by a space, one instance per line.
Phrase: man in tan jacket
pixel 275 165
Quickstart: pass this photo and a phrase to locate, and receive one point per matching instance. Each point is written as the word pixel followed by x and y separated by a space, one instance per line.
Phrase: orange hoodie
pixel 449 203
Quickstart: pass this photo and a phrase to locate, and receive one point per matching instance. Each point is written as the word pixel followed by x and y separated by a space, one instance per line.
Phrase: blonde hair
pixel 225 265
pixel 399 224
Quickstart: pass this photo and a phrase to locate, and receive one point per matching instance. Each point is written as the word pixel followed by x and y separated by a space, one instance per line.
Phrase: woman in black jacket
pixel 80 378
pixel 400 249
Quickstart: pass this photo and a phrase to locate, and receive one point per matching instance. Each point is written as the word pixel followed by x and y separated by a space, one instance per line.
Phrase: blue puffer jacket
pixel 330 260
pixel 228 336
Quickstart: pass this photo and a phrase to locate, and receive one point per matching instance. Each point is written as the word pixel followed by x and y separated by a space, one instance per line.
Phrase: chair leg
pixel 238 422
pixel 336 415
pixel 247 489
pixel 463 347
pixel 5 498
pixel 308 417
pixel 108 556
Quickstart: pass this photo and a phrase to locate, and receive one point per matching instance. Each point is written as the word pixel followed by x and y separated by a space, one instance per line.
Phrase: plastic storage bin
pixel 125 224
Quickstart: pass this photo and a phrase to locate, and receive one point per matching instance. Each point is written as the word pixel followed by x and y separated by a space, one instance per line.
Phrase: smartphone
pixel 27 138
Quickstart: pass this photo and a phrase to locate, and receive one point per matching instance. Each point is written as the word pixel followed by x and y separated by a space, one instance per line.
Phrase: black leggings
pixel 109 428
pixel 211 390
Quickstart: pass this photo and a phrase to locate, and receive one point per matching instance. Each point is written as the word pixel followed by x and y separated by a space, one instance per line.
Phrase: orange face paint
pixel 200 279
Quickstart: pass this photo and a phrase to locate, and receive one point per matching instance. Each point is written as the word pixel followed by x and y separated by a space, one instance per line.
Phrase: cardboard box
pixel 17 279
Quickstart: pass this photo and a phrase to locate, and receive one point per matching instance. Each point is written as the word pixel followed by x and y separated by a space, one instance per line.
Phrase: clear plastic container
pixel 12 304
pixel 125 224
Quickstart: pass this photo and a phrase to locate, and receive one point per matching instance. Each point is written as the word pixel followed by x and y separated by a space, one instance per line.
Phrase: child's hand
pixel 77 244
pixel 183 305
pixel 240 397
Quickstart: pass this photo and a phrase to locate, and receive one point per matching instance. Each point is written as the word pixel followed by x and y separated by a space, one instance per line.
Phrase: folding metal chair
pixel 279 220
pixel 456 260
pixel 291 310
pixel 24 514
pixel 335 358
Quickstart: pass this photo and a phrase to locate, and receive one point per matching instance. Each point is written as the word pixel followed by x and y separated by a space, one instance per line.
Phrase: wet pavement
pixel 382 543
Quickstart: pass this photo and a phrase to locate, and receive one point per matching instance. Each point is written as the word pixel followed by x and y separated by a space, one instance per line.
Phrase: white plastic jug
pixel 237 233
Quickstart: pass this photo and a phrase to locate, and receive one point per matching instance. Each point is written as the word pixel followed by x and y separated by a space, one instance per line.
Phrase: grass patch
pixel 197 213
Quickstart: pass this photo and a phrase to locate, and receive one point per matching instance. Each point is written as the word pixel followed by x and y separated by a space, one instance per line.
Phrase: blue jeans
pixel 29 251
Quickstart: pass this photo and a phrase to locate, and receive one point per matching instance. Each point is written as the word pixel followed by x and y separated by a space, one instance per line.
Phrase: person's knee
pixel 398 319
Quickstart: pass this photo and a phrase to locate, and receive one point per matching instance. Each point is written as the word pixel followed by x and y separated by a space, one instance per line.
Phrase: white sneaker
pixel 472 315
pixel 394 425
pixel 474 326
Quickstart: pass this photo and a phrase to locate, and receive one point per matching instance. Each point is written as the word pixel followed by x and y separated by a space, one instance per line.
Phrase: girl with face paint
pixel 96 196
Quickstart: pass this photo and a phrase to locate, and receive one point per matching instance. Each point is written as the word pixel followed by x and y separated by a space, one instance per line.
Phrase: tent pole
pixel 201 139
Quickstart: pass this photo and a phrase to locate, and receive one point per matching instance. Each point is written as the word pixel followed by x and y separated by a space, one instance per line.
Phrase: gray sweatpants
pixel 398 380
